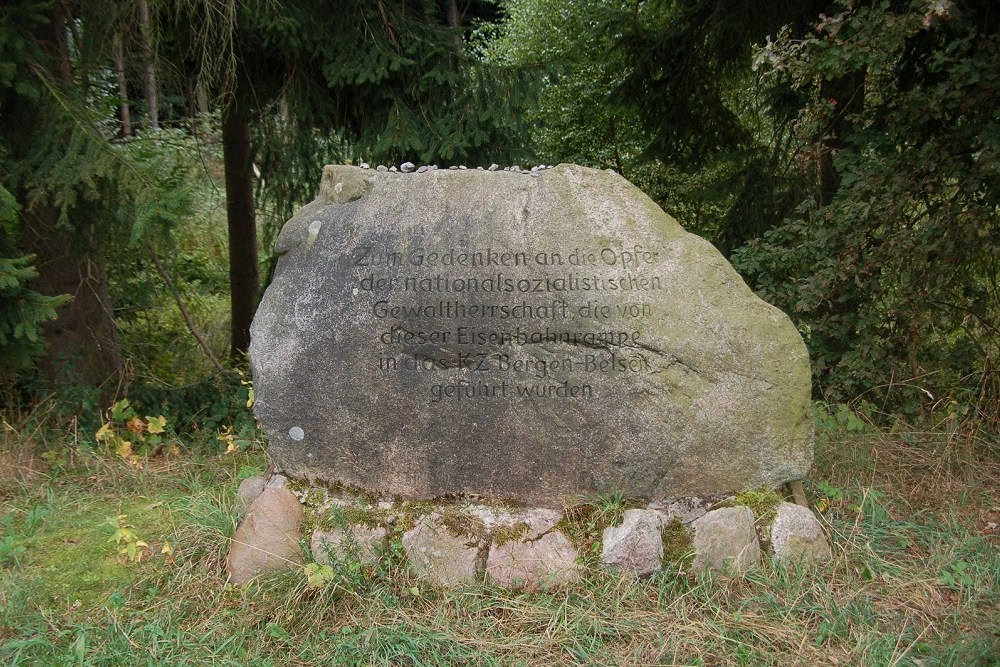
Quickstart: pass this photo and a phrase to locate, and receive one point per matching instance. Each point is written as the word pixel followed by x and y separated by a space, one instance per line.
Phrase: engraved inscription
pixel 478 306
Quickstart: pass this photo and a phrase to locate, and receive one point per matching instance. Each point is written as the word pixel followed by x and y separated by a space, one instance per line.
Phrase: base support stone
pixel 798 536
pixel 451 542
pixel 268 539
pixel 636 544
pixel 359 543
pixel 533 555
pixel 726 540
pixel 440 556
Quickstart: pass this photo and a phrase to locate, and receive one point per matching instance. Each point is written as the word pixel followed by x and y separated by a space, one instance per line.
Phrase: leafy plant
pixel 145 436
pixel 317 576
pixel 892 265
pixel 833 420
pixel 131 549
pixel 957 575
pixel 10 549
pixel 242 432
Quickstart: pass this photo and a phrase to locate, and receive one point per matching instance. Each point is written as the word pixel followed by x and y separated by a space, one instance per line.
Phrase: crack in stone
pixel 671 359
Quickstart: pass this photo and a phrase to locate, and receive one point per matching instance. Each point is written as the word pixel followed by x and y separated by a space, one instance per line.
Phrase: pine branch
pixel 184 313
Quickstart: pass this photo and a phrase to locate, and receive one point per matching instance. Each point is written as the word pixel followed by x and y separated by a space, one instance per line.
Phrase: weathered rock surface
pixel 532 554
pixel 268 539
pixel 360 543
pixel 532 339
pixel 248 491
pixel 725 539
pixel 797 535
pixel 636 544
pixel 439 555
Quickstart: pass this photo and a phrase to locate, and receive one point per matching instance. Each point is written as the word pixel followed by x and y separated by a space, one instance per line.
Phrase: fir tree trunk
pixel 454 18
pixel 244 277
pixel 83 347
pixel 152 101
pixel 123 107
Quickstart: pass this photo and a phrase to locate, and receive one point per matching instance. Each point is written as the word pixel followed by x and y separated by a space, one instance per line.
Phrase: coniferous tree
pixel 78 192
pixel 391 80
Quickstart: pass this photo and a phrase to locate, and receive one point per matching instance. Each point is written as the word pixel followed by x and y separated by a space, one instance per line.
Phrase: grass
pixel 915 580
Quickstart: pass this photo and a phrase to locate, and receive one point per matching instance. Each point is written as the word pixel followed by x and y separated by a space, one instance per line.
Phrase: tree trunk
pixel 244 277
pixel 83 347
pixel 123 108
pixel 848 94
pixel 152 102
pixel 454 18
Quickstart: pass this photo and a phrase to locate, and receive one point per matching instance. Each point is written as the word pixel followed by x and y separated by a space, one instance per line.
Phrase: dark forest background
pixel 843 155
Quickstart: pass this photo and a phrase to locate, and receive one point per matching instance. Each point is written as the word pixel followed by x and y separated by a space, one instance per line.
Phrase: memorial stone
pixel 538 339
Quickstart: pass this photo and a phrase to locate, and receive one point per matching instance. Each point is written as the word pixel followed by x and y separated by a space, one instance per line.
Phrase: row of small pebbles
pixel 408 167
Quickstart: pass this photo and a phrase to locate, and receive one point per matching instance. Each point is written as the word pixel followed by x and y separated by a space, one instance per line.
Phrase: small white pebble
pixel 392 168
pixel 421 169
pixel 365 165
pixel 406 167
pixel 381 167
pixel 494 166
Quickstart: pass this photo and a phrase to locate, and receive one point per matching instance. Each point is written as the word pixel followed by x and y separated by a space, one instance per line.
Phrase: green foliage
pixel 837 420
pixel 130 548
pixel 376 82
pixel 205 412
pixel 957 575
pixel 80 193
pixel 896 277
pixel 11 547
pixel 22 312
pixel 701 138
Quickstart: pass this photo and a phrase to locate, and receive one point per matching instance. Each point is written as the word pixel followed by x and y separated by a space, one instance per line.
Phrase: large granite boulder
pixel 526 337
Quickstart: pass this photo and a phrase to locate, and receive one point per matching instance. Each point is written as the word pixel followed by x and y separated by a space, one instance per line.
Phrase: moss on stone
pixel 762 502
pixel 579 525
pixel 506 534
pixel 311 520
pixel 369 518
pixel 677 544
pixel 584 524
pixel 408 512
pixel 461 524
pixel 314 497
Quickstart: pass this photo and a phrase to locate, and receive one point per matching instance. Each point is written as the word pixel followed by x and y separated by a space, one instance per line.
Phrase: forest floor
pixel 106 563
